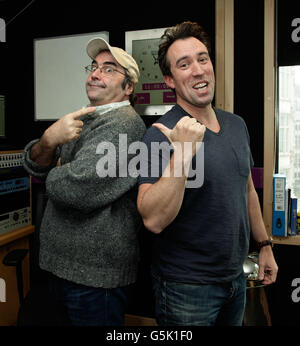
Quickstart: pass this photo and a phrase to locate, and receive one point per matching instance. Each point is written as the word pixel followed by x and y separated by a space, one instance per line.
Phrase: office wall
pixel 48 18
pixel 52 18
pixel 249 71
pixel 58 18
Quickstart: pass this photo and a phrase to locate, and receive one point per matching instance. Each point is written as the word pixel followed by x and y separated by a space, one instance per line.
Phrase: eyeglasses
pixel 106 70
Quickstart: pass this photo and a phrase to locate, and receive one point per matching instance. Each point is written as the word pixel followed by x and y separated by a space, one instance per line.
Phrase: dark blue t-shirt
pixel 209 239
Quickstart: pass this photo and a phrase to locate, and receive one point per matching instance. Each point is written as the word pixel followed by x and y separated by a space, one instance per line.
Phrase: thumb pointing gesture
pixel 186 130
pixel 165 130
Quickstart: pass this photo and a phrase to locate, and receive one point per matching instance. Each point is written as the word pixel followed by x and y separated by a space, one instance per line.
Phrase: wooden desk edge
pixel 16 234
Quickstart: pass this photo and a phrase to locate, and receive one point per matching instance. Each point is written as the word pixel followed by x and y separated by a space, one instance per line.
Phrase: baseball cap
pixel 98 44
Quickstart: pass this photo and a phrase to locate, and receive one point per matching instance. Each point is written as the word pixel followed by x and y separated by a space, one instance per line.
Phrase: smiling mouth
pixel 200 86
pixel 95 85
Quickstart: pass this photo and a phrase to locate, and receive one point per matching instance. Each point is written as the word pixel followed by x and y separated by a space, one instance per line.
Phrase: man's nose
pixel 197 69
pixel 97 74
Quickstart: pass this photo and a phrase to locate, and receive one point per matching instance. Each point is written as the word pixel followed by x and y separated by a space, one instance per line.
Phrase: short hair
pixel 127 80
pixel 180 31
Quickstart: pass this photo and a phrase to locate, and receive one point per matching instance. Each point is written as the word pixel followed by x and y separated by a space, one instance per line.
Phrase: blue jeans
pixel 90 306
pixel 181 304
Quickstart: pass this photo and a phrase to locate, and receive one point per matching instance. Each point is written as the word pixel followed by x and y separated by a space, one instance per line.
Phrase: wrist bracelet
pixel 264 243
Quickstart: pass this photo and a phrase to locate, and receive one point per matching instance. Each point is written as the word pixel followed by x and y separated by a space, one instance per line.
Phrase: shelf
pixel 290 240
pixel 16 234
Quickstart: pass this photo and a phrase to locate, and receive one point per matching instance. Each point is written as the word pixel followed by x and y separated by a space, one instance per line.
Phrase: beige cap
pixel 98 44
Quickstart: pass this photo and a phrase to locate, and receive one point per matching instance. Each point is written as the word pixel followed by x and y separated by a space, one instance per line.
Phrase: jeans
pixel 90 306
pixel 181 304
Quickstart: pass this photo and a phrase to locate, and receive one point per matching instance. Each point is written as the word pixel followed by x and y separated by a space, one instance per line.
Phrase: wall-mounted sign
pixel 153 95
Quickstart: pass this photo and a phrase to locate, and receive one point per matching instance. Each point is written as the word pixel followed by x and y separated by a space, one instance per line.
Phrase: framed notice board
pixel 153 95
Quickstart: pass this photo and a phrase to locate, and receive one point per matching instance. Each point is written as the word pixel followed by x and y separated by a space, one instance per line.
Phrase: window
pixel 289 125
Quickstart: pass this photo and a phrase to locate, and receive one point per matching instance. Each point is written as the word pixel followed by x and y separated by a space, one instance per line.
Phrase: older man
pixel 88 237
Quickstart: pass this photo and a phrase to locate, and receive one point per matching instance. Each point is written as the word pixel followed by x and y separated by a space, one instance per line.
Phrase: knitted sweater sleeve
pixel 32 168
pixel 91 179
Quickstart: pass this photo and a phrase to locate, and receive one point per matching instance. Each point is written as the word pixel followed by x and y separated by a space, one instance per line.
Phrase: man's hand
pixel 66 129
pixel 187 130
pixel 267 266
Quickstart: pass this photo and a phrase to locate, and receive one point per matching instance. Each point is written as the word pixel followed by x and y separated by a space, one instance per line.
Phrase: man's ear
pixel 169 81
pixel 129 89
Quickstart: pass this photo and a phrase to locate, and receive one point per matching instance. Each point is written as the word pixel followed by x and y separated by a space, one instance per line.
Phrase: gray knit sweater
pixel 89 230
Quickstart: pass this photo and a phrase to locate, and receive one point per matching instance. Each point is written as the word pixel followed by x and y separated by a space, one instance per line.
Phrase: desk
pixel 17 239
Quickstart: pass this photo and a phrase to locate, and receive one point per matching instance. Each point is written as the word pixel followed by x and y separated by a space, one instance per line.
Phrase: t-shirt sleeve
pixel 155 156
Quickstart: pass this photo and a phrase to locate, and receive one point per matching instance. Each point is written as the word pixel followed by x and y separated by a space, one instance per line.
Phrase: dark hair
pixel 127 80
pixel 179 31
